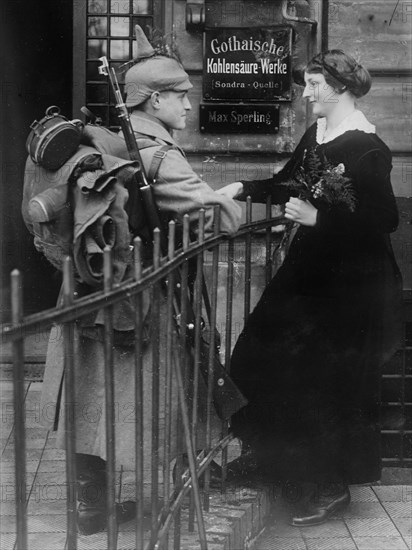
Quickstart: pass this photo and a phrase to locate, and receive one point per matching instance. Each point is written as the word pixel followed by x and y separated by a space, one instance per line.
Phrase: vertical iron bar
pixel 179 365
pixel 197 342
pixel 69 393
pixel 228 335
pixel 155 387
pixel 190 455
pixel 182 359
pixel 179 461
pixel 248 246
pixel 19 413
pixel 198 322
pixel 212 349
pixel 109 404
pixel 139 396
pixel 184 285
pixel 168 375
pixel 268 266
pixel 184 294
pixel 403 408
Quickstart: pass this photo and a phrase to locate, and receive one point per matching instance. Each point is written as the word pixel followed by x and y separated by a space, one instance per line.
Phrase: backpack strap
pixel 157 159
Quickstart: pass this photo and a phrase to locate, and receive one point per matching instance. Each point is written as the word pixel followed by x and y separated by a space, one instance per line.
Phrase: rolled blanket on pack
pixel 104 231
pixel 100 234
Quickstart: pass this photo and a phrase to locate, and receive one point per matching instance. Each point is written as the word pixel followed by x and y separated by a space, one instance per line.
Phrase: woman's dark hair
pixel 341 71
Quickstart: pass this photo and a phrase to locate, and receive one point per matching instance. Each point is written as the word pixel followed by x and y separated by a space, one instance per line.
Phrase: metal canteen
pixel 54 139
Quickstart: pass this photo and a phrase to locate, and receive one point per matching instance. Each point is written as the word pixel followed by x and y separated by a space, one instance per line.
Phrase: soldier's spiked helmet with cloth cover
pixel 152 73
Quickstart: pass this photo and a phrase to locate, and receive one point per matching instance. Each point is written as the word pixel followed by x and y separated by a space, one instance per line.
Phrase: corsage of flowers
pixel 320 180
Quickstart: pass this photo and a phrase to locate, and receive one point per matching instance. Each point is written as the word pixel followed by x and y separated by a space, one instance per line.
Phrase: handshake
pixel 232 190
pixel 296 210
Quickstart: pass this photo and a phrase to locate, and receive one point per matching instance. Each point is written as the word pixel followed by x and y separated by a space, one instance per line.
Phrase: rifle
pixel 227 397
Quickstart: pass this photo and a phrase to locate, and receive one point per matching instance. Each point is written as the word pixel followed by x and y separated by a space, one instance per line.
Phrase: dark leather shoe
pixel 125 511
pixel 320 511
pixel 91 520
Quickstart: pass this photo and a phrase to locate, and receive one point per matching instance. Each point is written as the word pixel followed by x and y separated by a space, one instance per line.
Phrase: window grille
pixel 106 28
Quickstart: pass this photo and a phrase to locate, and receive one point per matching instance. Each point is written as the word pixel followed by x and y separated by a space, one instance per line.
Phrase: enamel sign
pixel 247 64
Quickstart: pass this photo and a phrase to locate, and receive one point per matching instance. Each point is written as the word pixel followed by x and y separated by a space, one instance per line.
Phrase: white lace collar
pixel 355 121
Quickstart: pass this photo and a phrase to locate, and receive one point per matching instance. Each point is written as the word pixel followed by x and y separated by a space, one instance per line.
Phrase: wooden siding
pixel 388 106
pixel 376 32
pixel 378 35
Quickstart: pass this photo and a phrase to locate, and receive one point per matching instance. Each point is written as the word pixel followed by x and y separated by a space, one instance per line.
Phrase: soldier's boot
pixel 92 494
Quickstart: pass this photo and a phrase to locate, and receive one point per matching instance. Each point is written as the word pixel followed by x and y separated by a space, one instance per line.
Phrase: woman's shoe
pixel 321 509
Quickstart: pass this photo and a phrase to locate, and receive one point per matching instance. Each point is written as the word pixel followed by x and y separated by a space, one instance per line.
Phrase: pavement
pixel 232 522
pixel 379 517
pixel 246 517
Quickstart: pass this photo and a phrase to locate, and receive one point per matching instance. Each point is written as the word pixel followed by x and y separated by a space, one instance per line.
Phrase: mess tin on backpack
pixel 54 139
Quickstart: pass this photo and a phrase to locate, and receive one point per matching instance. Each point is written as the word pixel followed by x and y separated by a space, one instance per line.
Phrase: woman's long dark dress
pixel 309 357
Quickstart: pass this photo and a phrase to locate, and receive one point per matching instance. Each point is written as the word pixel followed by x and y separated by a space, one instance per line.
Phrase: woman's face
pixel 323 97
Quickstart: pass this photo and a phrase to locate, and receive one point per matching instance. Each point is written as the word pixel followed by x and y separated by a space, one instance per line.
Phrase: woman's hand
pixel 302 212
pixel 232 190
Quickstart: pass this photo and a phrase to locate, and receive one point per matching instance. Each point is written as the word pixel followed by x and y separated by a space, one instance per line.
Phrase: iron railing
pixel 160 279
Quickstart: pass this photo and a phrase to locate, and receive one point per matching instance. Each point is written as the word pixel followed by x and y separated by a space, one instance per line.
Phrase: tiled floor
pixel 378 518
pixel 46 484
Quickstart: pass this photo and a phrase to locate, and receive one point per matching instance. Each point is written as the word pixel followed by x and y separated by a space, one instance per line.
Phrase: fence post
pixel 168 374
pixel 109 404
pixel 228 336
pixel 212 348
pixel 248 252
pixel 268 261
pixel 155 386
pixel 69 393
pixel 197 341
pixel 139 396
pixel 19 413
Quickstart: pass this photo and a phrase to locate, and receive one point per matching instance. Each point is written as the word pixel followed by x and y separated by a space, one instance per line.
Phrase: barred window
pixel 106 28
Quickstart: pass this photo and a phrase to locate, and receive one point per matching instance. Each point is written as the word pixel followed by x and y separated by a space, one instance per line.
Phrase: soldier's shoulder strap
pixel 146 142
pixel 157 160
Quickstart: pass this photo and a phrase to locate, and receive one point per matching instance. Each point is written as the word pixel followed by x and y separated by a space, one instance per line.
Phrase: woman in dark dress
pixel 309 357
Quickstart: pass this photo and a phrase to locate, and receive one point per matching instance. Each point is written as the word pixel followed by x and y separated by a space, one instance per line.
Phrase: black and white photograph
pixel 206 292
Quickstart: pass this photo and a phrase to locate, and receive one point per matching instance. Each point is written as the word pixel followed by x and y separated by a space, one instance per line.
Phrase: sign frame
pixel 247 64
pixel 239 118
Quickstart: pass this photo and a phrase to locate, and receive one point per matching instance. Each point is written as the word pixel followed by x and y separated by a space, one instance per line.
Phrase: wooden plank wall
pixel 378 34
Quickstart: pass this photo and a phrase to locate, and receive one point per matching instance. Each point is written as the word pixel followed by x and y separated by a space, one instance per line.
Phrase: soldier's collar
pixel 147 124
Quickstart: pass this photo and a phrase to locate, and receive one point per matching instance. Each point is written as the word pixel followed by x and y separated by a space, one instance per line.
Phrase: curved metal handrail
pixel 72 310
pixel 97 300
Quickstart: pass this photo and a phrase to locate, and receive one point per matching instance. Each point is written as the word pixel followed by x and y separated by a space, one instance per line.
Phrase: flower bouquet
pixel 320 180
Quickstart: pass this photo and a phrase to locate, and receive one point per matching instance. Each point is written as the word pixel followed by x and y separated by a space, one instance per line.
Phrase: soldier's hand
pixel 232 190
